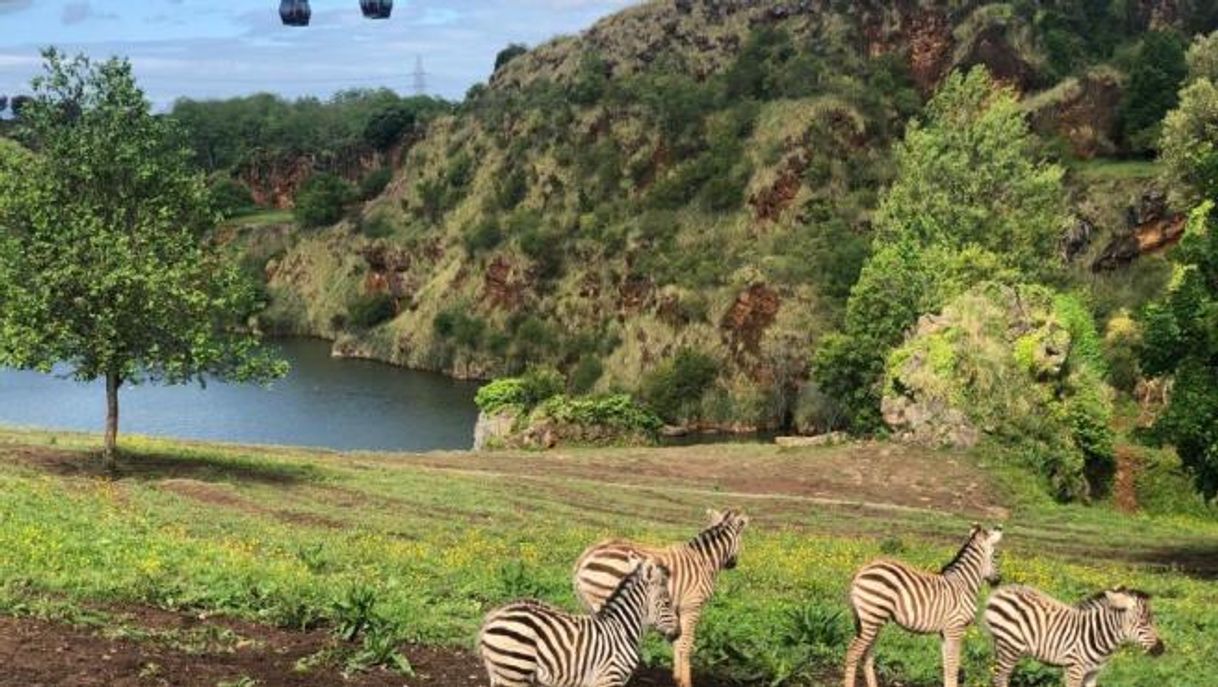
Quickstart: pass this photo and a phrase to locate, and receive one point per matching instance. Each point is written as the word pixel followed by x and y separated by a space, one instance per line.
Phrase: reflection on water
pixel 341 404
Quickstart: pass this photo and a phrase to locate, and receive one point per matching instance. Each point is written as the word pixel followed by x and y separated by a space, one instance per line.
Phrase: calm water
pixel 342 404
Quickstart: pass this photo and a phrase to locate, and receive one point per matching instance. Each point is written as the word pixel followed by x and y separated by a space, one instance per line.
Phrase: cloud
pixel 8 6
pixel 77 12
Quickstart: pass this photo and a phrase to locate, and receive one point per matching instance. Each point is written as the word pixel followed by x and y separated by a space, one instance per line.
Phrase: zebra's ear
pixel 976 527
pixel 714 515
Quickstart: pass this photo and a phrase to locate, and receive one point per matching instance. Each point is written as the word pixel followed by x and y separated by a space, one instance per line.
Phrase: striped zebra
pixel 921 602
pixel 694 566
pixel 530 642
pixel 1027 622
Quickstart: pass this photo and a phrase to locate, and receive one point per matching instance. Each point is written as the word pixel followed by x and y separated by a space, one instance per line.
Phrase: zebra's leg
pixel 1090 679
pixel 682 651
pixel 1075 675
pixel 869 666
pixel 951 656
pixel 1004 665
pixel 861 646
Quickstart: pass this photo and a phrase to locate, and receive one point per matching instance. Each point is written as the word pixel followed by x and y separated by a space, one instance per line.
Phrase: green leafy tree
pixel 1189 143
pixel 509 53
pixel 1180 338
pixel 322 199
pixel 971 201
pixel 102 263
pixel 1154 81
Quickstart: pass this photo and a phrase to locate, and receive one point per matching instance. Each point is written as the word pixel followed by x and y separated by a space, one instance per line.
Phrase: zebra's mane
pixel 959 554
pixel 713 531
pixel 628 582
pixel 1100 598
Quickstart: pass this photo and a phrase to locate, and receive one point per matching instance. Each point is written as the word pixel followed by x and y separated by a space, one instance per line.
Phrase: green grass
pixel 261 217
pixel 1103 168
pixel 298 539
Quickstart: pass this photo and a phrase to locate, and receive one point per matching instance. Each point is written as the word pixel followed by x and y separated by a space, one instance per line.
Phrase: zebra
pixel 531 642
pixel 920 602
pixel 694 566
pixel 1027 622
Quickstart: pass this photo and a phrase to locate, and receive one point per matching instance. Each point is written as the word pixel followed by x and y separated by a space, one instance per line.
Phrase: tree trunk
pixel 109 453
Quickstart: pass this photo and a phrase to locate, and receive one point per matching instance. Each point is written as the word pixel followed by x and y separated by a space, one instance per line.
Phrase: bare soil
pixel 40 653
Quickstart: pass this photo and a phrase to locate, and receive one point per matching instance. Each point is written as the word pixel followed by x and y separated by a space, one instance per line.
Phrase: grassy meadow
pixel 390 549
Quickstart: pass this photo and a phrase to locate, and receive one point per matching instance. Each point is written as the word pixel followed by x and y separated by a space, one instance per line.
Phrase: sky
pixel 221 48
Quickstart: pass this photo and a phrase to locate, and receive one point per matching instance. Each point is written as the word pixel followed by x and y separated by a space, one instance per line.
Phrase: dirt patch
pixel 858 473
pixel 39 653
pixel 66 463
pixel 224 496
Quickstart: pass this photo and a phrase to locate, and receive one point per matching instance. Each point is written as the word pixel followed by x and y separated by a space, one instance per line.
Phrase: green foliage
pixel 508 54
pixel 970 202
pixel 1188 147
pixel 229 197
pixel 617 412
pixel 466 330
pixel 483 236
pixel 526 392
pixel 1179 340
pixel 378 226
pixel 586 374
pixel 1157 73
pixel 225 135
pixel 322 199
pixel 101 262
pixel 374 183
pixel 675 388
pixel 370 310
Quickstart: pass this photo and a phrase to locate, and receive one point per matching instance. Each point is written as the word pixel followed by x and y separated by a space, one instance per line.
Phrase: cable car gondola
pixel 376 9
pixel 295 12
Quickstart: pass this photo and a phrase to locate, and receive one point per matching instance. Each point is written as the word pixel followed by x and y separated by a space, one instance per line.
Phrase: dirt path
pixel 183 651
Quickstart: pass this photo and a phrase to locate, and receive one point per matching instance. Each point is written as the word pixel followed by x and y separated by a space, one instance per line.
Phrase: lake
pixel 324 402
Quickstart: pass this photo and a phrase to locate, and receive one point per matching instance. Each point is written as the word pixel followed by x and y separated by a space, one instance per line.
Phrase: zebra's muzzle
pixel 730 563
pixel 1157 649
pixel 673 636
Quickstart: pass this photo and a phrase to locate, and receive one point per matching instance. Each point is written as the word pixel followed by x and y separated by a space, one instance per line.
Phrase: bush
pixel 375 182
pixel 230 197
pixel 387 126
pixel 508 54
pixel 483 236
pixel 322 199
pixel 463 329
pixel 586 374
pixel 525 392
pixel 378 226
pixel 615 411
pixel 366 312
pixel 1154 80
pixel 675 389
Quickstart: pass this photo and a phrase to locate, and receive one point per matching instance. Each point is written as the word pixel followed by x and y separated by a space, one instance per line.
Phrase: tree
pixel 1189 142
pixel 321 200
pixel 103 266
pixel 1154 81
pixel 970 202
pixel 509 53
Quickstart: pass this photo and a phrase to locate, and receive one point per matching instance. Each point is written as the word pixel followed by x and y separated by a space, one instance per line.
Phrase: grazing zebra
pixel 693 566
pixel 531 642
pixel 1027 622
pixel 921 602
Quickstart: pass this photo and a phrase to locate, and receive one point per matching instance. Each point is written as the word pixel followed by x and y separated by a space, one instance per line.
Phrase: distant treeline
pixel 226 133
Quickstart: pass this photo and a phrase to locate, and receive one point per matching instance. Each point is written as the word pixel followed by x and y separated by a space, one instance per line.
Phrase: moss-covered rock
pixel 1013 363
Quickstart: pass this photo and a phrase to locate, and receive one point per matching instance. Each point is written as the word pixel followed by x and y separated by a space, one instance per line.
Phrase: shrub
pixel 374 182
pixel 511 52
pixel 378 226
pixel 525 392
pixel 586 374
pixel 1121 341
pixel 366 312
pixel 1154 79
pixel 387 126
pixel 674 390
pixel 464 329
pixel 230 197
pixel 321 200
pixel 483 236
pixel 614 411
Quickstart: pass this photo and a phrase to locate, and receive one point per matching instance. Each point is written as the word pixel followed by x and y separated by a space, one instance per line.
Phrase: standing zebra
pixel 921 602
pixel 530 642
pixel 1027 622
pixel 693 566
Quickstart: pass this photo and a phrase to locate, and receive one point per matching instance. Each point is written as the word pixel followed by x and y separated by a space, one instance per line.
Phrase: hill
pixel 688 178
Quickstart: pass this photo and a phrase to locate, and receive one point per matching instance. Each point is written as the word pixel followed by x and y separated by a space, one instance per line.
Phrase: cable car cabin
pixel 295 12
pixel 376 9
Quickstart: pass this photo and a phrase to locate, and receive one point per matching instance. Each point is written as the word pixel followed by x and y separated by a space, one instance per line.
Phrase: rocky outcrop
pixel 274 179
pixel 1081 111
pixel 746 321
pixel 1151 227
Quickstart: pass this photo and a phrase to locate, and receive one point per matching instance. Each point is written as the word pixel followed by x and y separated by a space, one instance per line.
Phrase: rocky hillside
pixel 690 176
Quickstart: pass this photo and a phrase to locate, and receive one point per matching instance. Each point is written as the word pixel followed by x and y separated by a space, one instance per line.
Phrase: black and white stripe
pixel 919 601
pixel 692 565
pixel 1024 621
pixel 533 643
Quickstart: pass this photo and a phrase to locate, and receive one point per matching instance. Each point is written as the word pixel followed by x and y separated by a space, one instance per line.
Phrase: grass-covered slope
pixel 682 176
pixel 417 548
